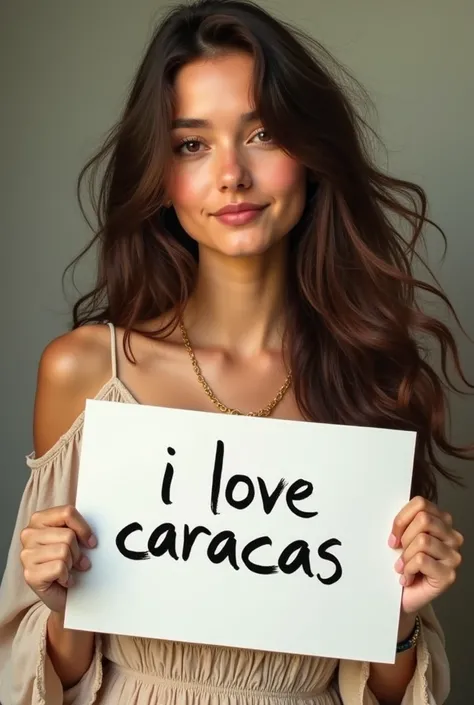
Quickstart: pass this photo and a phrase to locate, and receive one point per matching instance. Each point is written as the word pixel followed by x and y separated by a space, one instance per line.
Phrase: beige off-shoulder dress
pixel 137 671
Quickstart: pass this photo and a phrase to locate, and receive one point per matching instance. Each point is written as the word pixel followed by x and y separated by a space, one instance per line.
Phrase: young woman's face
pixel 223 157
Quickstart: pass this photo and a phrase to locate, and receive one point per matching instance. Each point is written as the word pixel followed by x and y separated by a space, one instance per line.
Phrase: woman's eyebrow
pixel 191 123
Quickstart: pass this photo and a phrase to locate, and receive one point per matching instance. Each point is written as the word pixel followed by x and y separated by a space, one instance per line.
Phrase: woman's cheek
pixel 187 183
pixel 280 174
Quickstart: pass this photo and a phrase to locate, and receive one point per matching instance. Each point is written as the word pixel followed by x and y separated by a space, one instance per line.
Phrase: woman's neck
pixel 238 303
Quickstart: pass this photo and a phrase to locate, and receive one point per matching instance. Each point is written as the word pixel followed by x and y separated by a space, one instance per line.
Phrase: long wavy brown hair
pixel 357 338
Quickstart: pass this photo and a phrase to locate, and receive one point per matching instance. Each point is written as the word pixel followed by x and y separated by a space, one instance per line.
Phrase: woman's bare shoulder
pixel 73 367
pixel 77 358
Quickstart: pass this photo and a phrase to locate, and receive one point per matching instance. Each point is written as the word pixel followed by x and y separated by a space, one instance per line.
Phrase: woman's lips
pixel 239 215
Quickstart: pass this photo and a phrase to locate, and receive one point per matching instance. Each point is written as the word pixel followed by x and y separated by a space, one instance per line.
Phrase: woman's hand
pixel 430 555
pixel 51 550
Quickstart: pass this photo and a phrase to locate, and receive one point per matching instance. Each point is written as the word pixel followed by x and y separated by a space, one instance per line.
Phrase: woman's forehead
pixel 209 88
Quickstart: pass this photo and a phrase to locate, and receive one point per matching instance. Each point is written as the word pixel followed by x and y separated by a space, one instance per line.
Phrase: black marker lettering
pixel 190 537
pixel 216 476
pixel 228 550
pixel 269 500
pixel 325 555
pixel 255 567
pixel 168 478
pixel 229 492
pixel 301 489
pixel 301 559
pixel 120 543
pixel 167 545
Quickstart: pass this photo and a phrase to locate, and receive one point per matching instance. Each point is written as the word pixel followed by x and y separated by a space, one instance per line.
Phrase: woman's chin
pixel 246 244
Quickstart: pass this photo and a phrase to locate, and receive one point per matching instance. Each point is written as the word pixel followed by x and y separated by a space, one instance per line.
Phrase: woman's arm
pixel 72 368
pixel 70 651
pixel 427 566
pixel 388 682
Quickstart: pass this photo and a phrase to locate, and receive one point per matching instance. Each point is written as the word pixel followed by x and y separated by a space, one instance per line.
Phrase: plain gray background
pixel 65 68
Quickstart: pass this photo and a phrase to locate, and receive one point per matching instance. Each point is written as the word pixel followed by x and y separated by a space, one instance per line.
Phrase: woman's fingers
pixel 52 549
pixel 53 552
pixel 40 576
pixel 429 545
pixel 56 535
pixel 406 516
pixel 430 525
pixel 429 567
pixel 65 516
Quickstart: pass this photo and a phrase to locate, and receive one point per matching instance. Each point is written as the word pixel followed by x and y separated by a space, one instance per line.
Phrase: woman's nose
pixel 233 173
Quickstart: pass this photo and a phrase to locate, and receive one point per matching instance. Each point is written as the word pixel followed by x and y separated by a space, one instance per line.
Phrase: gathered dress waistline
pixel 197 686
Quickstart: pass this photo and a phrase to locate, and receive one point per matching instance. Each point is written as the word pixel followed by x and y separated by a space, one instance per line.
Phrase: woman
pixel 248 260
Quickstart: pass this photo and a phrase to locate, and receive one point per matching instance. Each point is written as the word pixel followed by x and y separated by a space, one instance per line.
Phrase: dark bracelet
pixel 411 640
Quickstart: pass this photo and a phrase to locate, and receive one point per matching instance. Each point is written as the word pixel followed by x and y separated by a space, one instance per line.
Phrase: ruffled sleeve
pixel 430 683
pixel 27 676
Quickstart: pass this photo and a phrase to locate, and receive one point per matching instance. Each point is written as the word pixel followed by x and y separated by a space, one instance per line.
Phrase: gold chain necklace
pixel 265 411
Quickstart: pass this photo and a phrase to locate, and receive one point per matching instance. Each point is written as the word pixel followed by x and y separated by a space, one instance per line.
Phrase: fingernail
pixel 399 565
pixel 84 563
pixel 92 541
pixel 403 580
pixel 392 541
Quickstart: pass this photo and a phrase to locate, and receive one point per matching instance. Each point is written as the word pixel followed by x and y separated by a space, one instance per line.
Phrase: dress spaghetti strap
pixel 113 349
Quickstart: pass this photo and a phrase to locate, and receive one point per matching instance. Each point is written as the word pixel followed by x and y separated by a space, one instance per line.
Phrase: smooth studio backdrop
pixel 65 69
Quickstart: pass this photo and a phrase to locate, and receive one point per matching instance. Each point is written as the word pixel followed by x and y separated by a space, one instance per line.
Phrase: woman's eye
pixel 192 146
pixel 189 147
pixel 263 136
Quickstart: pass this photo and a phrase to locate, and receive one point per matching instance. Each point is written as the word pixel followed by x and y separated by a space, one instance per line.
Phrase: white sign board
pixel 244 532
